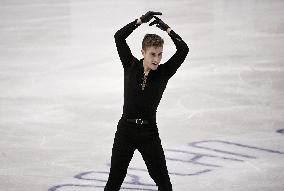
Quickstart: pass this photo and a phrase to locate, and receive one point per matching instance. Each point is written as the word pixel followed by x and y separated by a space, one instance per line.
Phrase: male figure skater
pixel 144 83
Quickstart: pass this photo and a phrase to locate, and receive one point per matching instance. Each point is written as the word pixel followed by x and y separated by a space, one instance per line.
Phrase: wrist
pixel 139 21
pixel 169 30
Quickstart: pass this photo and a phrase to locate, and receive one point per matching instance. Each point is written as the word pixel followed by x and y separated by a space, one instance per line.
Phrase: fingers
pixel 149 15
pixel 160 27
pixel 156 21
pixel 156 13
pixel 157 18
pixel 159 23
pixel 153 23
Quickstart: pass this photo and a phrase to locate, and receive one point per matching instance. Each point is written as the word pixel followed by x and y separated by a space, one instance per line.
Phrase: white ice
pixel 221 118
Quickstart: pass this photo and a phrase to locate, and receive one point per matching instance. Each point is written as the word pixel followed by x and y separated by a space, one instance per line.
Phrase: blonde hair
pixel 152 40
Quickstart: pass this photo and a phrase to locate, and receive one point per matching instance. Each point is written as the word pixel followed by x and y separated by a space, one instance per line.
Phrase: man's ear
pixel 143 52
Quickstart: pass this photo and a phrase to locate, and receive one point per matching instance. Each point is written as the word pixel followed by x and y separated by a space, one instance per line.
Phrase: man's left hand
pixel 159 23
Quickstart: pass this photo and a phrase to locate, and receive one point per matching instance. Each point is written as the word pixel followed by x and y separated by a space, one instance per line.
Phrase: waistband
pixel 139 121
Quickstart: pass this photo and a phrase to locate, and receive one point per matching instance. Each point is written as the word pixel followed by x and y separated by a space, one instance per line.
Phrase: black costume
pixel 141 103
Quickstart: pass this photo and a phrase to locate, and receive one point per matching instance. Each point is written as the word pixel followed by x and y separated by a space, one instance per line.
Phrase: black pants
pixel 145 138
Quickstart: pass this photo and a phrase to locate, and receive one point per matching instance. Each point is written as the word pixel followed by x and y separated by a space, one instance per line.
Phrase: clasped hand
pixel 158 22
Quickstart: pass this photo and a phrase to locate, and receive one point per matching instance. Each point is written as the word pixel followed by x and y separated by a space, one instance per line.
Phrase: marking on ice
pixel 134 177
pixel 281 131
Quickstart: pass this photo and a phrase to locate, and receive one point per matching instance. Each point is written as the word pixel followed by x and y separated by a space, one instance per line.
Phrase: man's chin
pixel 154 67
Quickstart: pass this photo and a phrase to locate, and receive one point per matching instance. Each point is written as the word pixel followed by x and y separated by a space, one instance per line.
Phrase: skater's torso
pixel 142 94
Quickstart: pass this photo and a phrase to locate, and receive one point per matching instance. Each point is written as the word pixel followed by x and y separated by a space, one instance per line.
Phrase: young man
pixel 144 83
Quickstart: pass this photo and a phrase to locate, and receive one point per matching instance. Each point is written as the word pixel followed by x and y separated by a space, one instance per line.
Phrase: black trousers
pixel 145 138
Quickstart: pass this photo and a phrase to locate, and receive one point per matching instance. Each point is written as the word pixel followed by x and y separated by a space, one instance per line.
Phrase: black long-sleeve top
pixel 138 103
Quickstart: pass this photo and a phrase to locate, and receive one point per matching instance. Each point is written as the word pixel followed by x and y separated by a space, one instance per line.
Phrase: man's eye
pixel 153 54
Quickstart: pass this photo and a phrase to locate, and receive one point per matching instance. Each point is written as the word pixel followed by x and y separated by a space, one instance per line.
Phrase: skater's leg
pixel 122 153
pixel 153 155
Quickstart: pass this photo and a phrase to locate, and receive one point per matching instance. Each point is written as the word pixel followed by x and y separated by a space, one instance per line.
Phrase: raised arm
pixel 123 49
pixel 120 36
pixel 178 58
pixel 182 49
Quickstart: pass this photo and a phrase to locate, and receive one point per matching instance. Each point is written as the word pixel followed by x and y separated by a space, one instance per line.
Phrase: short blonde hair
pixel 152 40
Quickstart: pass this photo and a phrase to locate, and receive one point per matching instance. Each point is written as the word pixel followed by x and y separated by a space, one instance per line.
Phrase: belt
pixel 138 121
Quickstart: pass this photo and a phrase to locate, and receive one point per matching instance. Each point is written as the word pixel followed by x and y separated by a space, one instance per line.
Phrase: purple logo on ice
pixel 210 155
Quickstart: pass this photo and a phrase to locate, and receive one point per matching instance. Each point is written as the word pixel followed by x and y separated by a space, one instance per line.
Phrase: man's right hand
pixel 148 16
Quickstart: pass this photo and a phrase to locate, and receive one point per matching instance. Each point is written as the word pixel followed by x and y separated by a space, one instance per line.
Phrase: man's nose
pixel 156 59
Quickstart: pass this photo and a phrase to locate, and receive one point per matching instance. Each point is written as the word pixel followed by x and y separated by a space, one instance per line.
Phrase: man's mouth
pixel 155 64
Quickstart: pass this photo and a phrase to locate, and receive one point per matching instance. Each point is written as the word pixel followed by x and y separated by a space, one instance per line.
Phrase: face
pixel 152 57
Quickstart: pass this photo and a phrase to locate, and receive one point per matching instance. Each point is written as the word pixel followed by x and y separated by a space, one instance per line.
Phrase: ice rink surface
pixel 221 119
